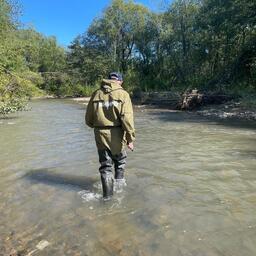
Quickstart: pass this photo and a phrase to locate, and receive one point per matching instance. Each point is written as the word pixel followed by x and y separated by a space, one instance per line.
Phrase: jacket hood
pixel 108 85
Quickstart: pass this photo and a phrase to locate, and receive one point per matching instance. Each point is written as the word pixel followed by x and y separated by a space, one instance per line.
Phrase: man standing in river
pixel 110 113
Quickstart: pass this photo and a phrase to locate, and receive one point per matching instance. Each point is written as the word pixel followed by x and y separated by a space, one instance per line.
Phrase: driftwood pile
pixel 194 99
pixel 190 100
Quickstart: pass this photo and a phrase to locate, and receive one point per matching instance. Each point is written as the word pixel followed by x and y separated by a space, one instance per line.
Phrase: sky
pixel 66 19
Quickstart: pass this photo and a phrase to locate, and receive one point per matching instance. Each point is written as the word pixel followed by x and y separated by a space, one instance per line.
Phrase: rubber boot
pixel 119 174
pixel 107 186
pixel 120 161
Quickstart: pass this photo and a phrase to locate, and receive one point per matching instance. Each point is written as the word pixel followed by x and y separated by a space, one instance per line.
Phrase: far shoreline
pixel 225 111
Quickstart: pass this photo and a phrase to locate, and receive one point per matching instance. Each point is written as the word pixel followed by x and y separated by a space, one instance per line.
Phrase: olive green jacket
pixel 110 106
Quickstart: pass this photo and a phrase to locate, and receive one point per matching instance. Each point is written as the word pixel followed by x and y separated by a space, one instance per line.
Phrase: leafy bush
pixel 12 105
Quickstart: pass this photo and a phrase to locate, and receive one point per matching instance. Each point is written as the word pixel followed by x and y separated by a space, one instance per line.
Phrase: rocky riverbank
pixel 229 110
pixel 206 104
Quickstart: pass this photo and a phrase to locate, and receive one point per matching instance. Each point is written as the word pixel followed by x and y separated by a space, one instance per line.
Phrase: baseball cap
pixel 115 75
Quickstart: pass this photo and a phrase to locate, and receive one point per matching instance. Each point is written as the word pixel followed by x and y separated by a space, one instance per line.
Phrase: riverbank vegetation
pixel 25 58
pixel 205 44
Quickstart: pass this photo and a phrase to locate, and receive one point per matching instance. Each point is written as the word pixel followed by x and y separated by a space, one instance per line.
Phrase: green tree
pixel 227 30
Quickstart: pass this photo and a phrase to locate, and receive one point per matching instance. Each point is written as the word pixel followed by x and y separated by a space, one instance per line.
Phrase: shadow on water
pixel 46 176
pixel 193 117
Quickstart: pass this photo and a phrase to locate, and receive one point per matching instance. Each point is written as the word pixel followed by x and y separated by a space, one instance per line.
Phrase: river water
pixel 191 186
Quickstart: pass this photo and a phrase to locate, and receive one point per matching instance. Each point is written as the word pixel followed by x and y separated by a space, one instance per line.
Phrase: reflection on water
pixel 191 186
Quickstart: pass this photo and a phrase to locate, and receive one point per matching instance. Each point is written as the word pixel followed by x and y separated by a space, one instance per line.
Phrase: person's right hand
pixel 130 146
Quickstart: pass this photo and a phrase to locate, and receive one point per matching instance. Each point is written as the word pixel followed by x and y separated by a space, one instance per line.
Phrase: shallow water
pixel 191 186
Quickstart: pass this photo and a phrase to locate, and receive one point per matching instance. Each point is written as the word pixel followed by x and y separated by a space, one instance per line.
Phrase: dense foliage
pixel 25 59
pixel 208 44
